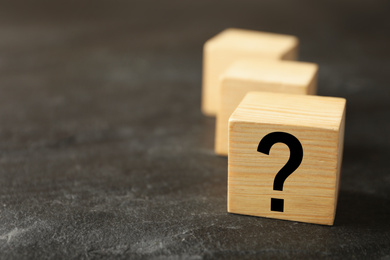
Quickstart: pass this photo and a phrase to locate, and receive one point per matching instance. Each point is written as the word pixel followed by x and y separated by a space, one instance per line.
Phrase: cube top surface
pixel 252 41
pixel 290 109
pixel 272 71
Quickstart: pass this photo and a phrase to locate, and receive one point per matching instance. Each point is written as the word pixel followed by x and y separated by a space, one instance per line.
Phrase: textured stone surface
pixel 104 151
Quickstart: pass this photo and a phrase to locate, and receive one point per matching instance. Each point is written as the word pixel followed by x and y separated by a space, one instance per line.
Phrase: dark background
pixel 104 152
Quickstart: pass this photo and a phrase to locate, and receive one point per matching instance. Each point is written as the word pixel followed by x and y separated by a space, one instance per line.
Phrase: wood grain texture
pixel 262 75
pixel 309 193
pixel 235 44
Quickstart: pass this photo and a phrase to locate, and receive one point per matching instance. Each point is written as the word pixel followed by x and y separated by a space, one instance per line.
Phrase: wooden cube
pixel 235 44
pixel 266 131
pixel 265 75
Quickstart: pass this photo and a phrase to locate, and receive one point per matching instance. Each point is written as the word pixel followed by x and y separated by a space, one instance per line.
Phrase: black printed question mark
pixel 296 155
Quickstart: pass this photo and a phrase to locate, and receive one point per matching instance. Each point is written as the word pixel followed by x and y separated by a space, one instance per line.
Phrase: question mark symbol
pixel 296 155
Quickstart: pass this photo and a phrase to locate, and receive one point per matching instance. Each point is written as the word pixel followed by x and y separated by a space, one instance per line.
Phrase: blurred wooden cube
pixel 264 75
pixel 234 44
pixel 310 193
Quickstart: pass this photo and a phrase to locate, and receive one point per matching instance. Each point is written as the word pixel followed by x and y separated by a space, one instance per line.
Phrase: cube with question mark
pixel 285 155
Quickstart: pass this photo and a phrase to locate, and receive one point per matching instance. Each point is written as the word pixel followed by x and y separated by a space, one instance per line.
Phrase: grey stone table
pixel 104 152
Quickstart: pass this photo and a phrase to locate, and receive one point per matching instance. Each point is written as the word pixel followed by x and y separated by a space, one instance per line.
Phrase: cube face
pixel 310 192
pixel 232 45
pixel 271 76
